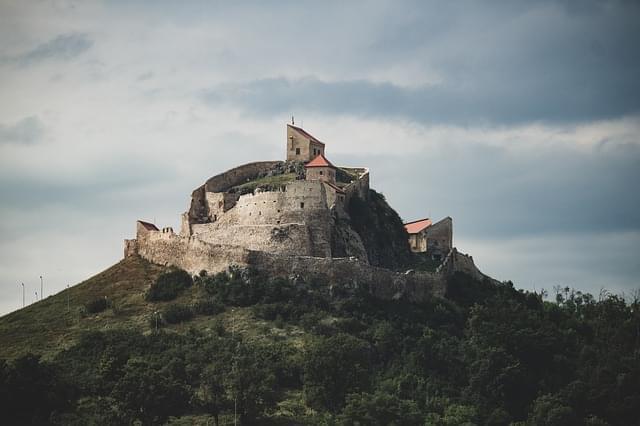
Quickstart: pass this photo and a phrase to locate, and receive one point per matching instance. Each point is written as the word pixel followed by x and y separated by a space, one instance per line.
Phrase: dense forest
pixel 485 355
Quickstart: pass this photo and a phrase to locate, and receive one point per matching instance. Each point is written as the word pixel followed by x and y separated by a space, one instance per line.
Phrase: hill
pixel 303 352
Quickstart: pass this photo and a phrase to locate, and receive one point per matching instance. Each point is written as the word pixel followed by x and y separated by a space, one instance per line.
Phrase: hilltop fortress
pixel 296 218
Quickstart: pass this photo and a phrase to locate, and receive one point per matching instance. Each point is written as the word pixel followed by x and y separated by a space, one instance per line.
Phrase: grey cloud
pixel 145 76
pixel 29 130
pixel 64 46
pixel 433 104
pixel 491 193
pixel 511 63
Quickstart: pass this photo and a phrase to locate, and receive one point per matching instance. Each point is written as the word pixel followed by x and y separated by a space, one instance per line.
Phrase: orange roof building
pixel 321 169
pixel 434 239
pixel 417 225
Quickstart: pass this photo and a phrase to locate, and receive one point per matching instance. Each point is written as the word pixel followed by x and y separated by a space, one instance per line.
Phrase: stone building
pixel 321 169
pixel 302 146
pixel 434 239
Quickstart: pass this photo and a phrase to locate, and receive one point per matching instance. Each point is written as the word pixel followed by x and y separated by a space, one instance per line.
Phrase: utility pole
pixel 41 288
pixel 235 365
pixel 22 295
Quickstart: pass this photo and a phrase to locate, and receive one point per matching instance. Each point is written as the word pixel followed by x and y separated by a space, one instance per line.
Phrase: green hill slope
pixel 53 323
pixel 302 352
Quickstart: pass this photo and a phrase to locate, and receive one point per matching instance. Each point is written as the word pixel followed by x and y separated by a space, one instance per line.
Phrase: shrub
pixel 175 314
pixel 96 305
pixel 169 285
pixel 208 307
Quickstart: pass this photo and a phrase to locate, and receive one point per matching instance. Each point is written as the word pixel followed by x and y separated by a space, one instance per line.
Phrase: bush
pixel 96 305
pixel 169 285
pixel 208 307
pixel 175 314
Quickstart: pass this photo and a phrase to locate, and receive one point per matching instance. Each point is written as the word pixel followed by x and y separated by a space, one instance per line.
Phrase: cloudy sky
pixel 520 119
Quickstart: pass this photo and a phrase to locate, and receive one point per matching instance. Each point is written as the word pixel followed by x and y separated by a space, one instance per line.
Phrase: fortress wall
pixel 293 221
pixel 238 175
pixel 294 204
pixel 460 262
pixel 359 187
pixel 189 254
pixel 349 272
pixel 288 239
pixel 194 255
pixel 218 203
pixel 198 210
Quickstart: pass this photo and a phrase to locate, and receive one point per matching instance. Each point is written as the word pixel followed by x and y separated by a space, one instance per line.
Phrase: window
pixel 320 172
pixel 302 205
pixel 297 151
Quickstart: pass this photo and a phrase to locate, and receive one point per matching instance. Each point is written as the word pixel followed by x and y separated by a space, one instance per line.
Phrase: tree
pixel 381 409
pixel 148 394
pixel 212 391
pixel 334 367
pixel 250 384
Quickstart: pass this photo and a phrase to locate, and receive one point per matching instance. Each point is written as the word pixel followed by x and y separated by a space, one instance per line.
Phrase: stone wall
pixel 199 209
pixel 194 255
pixel 439 237
pixel 359 187
pixel 189 253
pixel 351 272
pixel 296 220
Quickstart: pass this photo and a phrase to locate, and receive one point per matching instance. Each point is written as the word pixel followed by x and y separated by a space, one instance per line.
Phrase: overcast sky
pixel 520 119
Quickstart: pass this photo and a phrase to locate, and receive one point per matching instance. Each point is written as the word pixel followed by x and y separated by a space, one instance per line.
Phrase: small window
pixel 320 172
pixel 302 205
pixel 297 151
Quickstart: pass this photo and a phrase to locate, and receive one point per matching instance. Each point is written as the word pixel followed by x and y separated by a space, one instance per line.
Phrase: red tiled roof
pixel 305 134
pixel 417 225
pixel 337 188
pixel 320 161
pixel 148 226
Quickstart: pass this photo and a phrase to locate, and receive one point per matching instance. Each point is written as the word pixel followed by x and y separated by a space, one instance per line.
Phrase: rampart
pixel 194 255
pixel 296 220
pixel 199 210
pixel 189 253
pixel 360 186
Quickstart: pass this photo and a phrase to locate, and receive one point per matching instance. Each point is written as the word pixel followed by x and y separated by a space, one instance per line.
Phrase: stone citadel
pixel 291 218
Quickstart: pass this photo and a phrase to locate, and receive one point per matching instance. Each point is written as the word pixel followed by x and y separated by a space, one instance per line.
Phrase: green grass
pixel 54 323
pixel 267 182
pixel 48 326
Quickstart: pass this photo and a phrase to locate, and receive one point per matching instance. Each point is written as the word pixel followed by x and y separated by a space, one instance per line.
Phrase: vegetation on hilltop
pixel 381 230
pixel 272 180
pixel 285 352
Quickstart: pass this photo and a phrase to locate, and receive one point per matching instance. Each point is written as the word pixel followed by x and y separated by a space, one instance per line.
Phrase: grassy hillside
pixel 53 323
pixel 281 352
